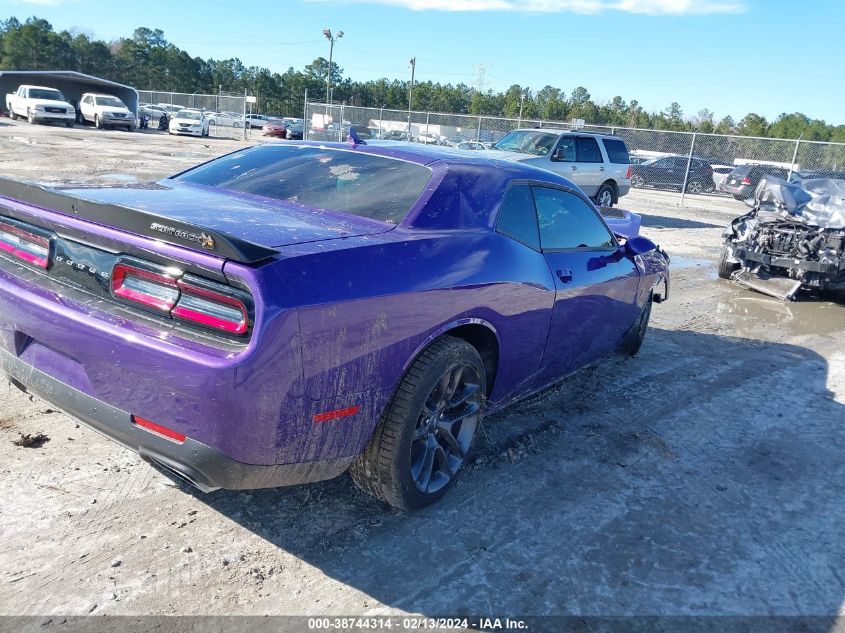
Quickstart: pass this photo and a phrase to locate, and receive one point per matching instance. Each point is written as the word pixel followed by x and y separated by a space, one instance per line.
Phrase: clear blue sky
pixel 732 56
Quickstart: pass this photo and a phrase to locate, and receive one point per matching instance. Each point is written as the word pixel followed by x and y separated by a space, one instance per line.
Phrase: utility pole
pixel 332 39
pixel 413 63
pixel 521 101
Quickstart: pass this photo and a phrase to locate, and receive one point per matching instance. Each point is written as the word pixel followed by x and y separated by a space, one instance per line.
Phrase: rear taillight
pixel 629 172
pixel 153 290
pixel 188 297
pixel 746 181
pixel 25 245
pixel 211 309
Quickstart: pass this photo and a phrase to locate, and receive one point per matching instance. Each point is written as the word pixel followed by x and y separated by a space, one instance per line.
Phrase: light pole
pixel 413 63
pixel 521 101
pixel 332 40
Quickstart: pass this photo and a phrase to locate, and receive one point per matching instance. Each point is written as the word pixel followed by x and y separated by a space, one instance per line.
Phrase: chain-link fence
pixel 225 111
pixel 223 102
pixel 686 162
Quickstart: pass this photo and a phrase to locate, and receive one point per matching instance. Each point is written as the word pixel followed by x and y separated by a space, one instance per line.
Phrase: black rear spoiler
pixel 135 221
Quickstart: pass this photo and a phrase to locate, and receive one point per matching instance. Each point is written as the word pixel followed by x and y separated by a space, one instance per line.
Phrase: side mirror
pixel 638 245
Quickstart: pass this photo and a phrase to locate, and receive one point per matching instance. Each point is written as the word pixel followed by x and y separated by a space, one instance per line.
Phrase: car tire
pixel 12 114
pixel 725 268
pixel 69 123
pixel 634 338
pixel 97 122
pixel 695 186
pixel 30 117
pixel 604 196
pixel 637 181
pixel 398 465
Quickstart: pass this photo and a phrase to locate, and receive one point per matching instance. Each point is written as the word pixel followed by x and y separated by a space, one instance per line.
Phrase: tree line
pixel 147 61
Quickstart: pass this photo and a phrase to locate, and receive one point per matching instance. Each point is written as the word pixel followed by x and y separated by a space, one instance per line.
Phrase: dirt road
pixel 706 476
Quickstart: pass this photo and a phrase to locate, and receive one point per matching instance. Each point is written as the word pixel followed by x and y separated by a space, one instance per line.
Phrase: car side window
pixel 518 218
pixel 568 222
pixel 565 151
pixel 588 150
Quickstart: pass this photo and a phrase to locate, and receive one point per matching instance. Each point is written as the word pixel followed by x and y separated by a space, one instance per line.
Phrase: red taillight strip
pixel 158 429
pixel 210 320
pixel 31 248
pixel 338 413
pixel 120 287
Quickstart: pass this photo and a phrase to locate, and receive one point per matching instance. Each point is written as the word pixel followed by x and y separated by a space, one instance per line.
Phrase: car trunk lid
pixel 236 226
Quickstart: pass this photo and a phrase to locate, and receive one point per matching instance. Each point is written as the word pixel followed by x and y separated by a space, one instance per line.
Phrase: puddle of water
pixel 752 313
pixel 688 262
pixel 120 177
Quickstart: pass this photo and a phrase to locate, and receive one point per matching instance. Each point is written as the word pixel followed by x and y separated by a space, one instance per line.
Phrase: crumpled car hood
pixel 819 202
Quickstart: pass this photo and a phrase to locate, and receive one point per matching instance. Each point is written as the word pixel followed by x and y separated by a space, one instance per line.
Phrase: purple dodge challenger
pixel 287 312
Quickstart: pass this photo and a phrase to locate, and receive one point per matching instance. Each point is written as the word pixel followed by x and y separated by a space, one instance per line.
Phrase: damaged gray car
pixel 793 239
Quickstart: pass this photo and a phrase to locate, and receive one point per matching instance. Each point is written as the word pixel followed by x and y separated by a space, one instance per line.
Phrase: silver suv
pixel 598 163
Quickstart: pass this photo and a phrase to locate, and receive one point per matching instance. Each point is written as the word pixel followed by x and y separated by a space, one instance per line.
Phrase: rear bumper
pixel 203 466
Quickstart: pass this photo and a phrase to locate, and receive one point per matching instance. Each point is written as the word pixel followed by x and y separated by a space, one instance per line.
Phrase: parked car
pixel 224 119
pixel 106 111
pixel 428 139
pixel 473 146
pixel 243 331
pixel 598 163
pixel 637 159
pixel 670 172
pixel 396 135
pixel 192 122
pixel 169 107
pixel 720 174
pixel 295 131
pixel 362 131
pixel 159 119
pixel 793 239
pixel 275 127
pixel 39 104
pixel 814 174
pixel 743 180
pixel 256 120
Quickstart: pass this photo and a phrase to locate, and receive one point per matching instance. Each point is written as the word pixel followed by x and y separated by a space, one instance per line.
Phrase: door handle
pixel 565 275
pixel 574 168
pixel 601 168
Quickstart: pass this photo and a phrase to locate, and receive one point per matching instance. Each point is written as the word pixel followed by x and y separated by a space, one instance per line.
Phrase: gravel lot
pixel 703 477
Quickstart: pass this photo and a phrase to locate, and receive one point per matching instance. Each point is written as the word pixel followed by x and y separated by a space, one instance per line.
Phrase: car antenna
pixel 352 138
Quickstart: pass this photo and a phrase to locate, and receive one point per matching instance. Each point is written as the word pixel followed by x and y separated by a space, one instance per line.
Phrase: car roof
pixel 566 132
pixel 424 154
pixel 40 87
pixel 99 94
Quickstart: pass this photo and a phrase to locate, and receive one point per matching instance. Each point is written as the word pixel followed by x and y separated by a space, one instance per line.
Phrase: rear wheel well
pixel 484 340
pixel 613 185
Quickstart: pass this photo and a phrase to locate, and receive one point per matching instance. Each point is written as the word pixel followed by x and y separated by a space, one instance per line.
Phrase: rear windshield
pixel 616 151
pixel 368 186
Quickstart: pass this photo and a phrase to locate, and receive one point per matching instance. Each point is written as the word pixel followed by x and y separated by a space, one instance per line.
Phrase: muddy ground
pixel 706 476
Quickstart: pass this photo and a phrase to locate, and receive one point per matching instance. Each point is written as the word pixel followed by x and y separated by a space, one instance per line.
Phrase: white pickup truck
pixel 38 104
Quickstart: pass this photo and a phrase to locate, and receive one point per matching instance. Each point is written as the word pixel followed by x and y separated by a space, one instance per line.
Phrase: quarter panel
pixel 365 311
